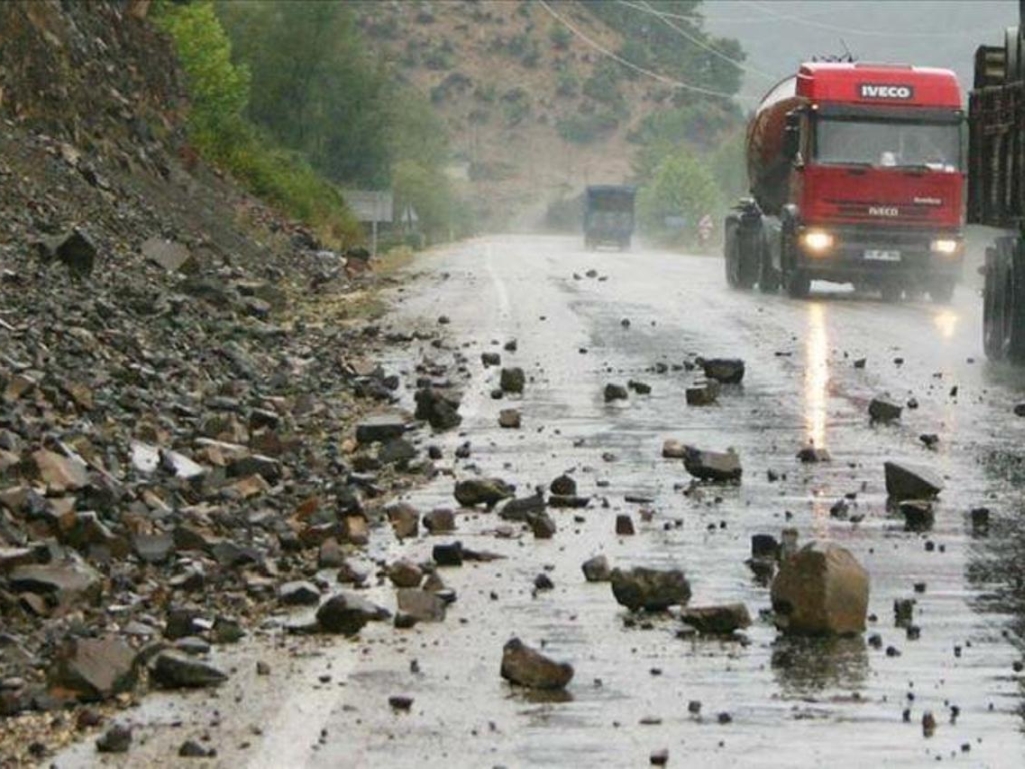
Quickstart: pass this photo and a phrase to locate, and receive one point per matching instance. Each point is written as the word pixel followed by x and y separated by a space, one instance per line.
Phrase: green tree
pixel 218 89
pixel 683 187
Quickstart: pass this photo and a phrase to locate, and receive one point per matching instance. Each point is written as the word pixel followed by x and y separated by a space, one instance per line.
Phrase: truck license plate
pixel 882 256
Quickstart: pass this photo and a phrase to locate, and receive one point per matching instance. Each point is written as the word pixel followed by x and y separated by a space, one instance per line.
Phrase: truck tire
pixel 992 310
pixel 797 284
pixel 731 253
pixel 1014 304
pixel 768 276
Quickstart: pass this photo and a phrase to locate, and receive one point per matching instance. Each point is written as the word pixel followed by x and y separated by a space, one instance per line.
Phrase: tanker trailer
pixel 855 177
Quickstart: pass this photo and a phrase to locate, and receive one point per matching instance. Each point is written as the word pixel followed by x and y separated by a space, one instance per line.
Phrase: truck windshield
pixel 936 146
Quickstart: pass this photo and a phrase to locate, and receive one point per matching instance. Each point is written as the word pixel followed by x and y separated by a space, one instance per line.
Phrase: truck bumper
pixel 874 256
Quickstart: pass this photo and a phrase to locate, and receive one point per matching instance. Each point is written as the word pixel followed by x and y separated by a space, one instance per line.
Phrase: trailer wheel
pixel 992 310
pixel 1014 303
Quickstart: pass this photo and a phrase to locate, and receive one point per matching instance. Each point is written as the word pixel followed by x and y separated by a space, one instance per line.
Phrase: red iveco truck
pixel 855 174
pixel 996 187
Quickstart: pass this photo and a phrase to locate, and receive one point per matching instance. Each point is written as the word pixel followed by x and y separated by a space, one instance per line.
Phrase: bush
pixel 560 37
pixel 681 187
pixel 219 92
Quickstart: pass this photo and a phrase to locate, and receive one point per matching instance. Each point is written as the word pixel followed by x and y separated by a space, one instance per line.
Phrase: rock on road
pixel 581 321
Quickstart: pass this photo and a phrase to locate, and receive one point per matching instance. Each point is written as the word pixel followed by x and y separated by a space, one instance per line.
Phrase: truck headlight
pixel 945 246
pixel 817 241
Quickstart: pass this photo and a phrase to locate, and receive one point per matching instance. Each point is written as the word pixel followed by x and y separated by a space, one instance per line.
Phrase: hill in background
pixel 534 109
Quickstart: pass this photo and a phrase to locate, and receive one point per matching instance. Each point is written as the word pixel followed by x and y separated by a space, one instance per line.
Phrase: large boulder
pixel 715 466
pixel 650 589
pixel 528 667
pixel 821 590
pixel 93 669
pixel 906 481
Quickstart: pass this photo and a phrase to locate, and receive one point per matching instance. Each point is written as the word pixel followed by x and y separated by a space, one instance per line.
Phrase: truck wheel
pixel 994 296
pixel 768 276
pixel 993 310
pixel 941 290
pixel 748 257
pixel 731 252
pixel 1014 303
pixel 797 284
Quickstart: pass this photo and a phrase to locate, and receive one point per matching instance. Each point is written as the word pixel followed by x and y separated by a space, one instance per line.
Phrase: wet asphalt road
pixel 792 704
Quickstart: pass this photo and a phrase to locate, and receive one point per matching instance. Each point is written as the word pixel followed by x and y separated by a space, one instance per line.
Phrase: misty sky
pixel 777 34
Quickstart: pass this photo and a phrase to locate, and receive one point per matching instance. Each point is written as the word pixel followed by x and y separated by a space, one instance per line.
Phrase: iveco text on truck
pixel 855 174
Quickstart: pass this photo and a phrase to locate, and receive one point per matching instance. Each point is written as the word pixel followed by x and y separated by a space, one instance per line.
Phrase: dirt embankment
pixel 180 373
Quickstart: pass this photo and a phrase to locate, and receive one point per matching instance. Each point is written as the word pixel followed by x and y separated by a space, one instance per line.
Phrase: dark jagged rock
pixel 347 613
pixel 171 670
pixel 715 466
pixel 482 491
pixel 717 620
pixel 530 668
pixel 650 589
pixel 906 481
pixel 725 370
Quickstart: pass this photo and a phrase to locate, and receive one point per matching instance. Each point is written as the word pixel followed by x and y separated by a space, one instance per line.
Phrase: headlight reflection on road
pixel 946 322
pixel 816 375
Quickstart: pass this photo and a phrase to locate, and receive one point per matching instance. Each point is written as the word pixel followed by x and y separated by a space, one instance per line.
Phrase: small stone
pixel 624 525
pixel 928 724
pixel 509 419
pixel 117 739
pixel 512 380
pixel 881 409
pixel 400 702
pixel 725 370
pixel 659 757
pixel 564 485
pixel 615 392
pixel 192 749
pixel 597 569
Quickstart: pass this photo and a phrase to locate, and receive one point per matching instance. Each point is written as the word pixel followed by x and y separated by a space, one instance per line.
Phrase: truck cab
pixel 856 178
pixel 608 216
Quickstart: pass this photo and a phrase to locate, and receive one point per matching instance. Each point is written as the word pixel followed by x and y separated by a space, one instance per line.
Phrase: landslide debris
pixel 181 374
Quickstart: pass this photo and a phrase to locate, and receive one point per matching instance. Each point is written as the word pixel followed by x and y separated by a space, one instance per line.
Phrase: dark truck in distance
pixel 996 187
pixel 608 216
pixel 855 178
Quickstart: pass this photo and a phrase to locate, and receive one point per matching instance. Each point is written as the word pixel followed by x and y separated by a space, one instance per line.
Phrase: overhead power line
pixel 635 67
pixel 761 7
pixel 645 7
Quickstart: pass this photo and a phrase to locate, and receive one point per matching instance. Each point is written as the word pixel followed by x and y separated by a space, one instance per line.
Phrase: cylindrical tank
pixel 768 169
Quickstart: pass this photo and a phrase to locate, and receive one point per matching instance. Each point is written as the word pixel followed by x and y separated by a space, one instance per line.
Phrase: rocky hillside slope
pixel 180 371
